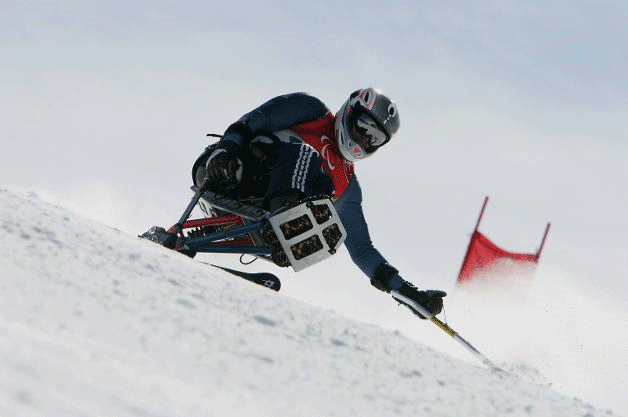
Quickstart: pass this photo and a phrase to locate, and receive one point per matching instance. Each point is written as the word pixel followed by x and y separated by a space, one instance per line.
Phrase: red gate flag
pixel 483 257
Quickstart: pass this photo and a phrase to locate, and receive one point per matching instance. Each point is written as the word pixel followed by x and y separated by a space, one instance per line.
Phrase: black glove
pixel 224 170
pixel 431 300
pixel 434 302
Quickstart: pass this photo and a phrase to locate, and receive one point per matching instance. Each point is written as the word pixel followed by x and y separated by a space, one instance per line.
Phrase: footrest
pixel 309 232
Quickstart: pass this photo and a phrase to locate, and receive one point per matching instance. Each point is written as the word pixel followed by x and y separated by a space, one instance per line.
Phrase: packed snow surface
pixel 95 322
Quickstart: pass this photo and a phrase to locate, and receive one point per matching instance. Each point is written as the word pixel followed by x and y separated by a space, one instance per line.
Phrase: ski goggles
pixel 365 131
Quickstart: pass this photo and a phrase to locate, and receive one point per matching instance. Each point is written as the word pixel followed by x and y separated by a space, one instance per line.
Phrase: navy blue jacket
pixel 285 111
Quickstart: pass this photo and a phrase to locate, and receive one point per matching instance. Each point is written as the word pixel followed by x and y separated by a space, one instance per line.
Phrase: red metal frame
pixel 212 221
pixel 218 220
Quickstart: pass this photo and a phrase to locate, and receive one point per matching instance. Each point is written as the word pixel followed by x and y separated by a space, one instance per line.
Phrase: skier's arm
pixel 358 241
pixel 276 114
pixel 383 276
pixel 224 168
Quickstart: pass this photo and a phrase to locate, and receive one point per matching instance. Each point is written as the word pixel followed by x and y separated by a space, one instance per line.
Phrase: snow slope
pixel 94 322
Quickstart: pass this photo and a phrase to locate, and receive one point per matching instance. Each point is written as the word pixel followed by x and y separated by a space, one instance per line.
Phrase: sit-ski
pixel 298 236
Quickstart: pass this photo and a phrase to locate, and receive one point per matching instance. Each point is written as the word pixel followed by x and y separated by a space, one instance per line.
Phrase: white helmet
pixel 364 123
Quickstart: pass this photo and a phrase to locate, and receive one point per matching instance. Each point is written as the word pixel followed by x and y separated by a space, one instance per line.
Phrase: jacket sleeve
pixel 358 241
pixel 276 114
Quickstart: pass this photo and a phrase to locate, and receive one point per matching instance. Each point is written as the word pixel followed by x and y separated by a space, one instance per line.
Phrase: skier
pixel 293 147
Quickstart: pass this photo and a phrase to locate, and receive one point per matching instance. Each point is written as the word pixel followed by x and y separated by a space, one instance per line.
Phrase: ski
pixel 265 279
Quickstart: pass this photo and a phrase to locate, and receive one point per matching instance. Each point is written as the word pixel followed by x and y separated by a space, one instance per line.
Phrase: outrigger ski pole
pixel 451 332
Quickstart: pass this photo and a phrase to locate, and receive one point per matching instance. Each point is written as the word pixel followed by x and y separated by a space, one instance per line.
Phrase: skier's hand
pixel 434 303
pixel 224 170
pixel 430 300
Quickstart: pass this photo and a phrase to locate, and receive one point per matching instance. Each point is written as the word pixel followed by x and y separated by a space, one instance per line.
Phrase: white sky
pixel 105 105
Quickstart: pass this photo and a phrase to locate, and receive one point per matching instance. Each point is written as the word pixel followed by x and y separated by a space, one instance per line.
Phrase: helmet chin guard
pixel 364 123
